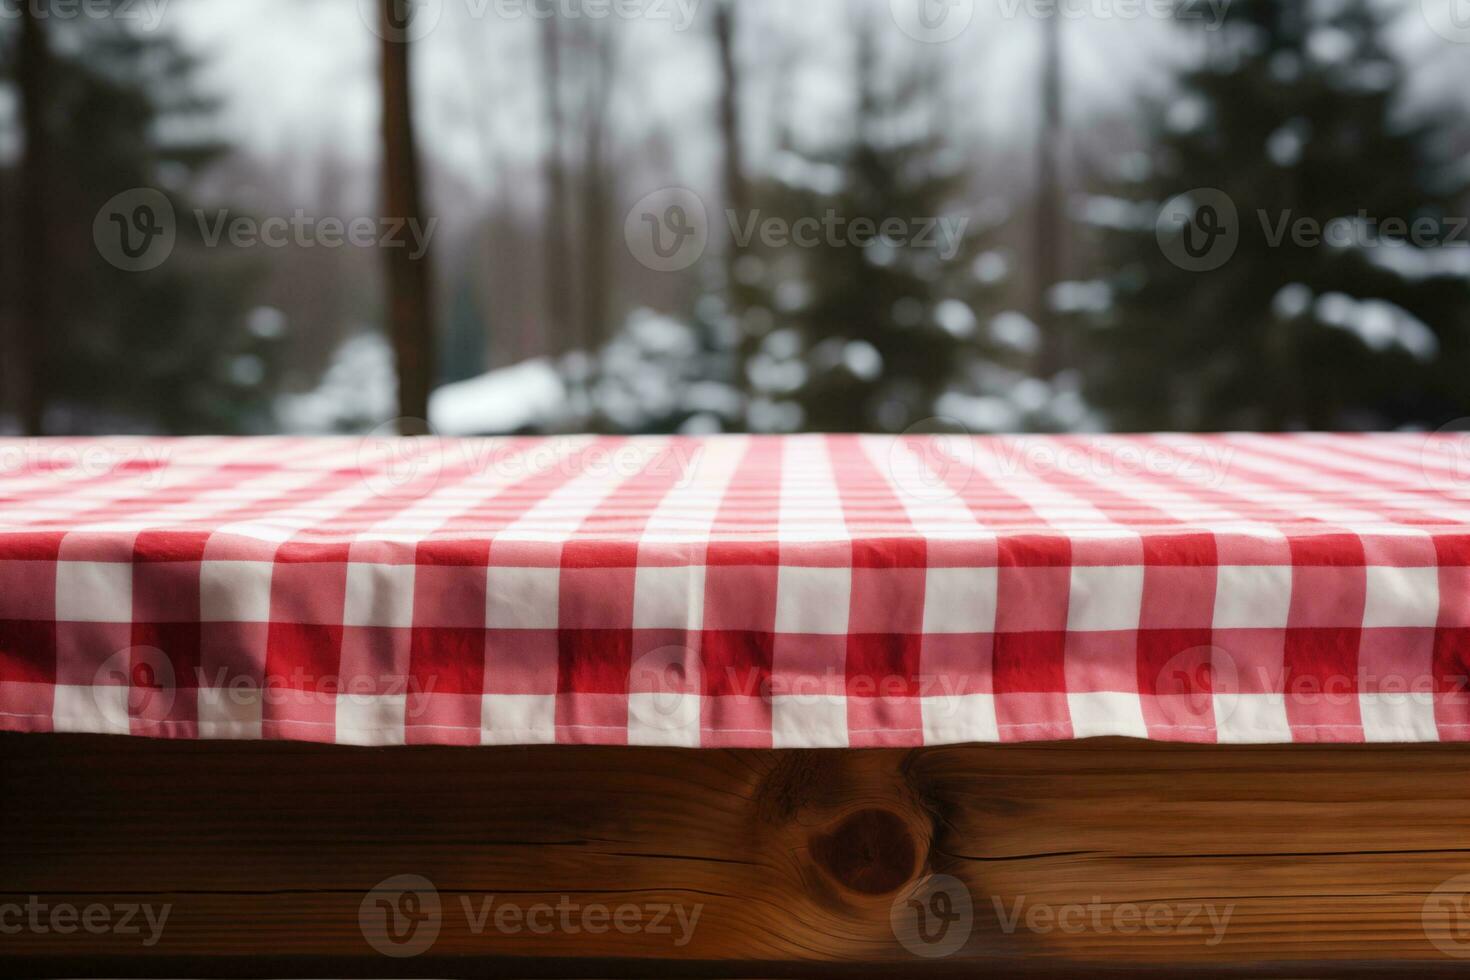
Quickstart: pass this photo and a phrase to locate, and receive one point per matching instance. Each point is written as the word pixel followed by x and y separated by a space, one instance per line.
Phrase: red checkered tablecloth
pixel 738 591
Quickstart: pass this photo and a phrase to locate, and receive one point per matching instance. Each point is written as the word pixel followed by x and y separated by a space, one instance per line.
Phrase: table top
pixel 793 591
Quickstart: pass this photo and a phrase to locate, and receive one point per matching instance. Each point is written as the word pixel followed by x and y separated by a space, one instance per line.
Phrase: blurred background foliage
pixel 1049 143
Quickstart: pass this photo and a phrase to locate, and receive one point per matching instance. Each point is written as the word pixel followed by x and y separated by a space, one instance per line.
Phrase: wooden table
pixel 1103 856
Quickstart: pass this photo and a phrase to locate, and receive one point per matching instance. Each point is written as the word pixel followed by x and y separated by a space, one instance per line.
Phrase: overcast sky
pixel 300 74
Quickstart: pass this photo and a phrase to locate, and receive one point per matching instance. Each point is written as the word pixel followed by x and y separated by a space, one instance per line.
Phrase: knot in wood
pixel 871 852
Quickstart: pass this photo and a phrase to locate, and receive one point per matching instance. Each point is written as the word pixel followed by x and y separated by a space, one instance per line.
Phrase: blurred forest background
pixel 532 140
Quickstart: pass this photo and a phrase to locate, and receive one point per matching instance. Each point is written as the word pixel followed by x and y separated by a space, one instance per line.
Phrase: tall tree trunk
pixel 558 271
pixel 737 198
pixel 410 300
pixel 33 371
pixel 597 187
pixel 1049 236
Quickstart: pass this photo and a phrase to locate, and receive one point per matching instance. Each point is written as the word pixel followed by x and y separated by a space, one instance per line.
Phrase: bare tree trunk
pixel 501 291
pixel 737 198
pixel 33 372
pixel 1049 235
pixel 558 268
pixel 410 300
pixel 597 189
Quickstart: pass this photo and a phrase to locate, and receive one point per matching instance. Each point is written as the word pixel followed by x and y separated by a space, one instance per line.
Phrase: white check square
pixel 1398 716
pixel 813 600
pixel 101 709
pixel 1105 597
pixel 1402 597
pixel 518 719
pixel 379 595
pixel 235 591
pixel 1252 596
pixel 668 597
pixel 960 600
pixel 954 718
pixel 371 719
pixel 809 721
pixel 1251 718
pixel 664 718
pixel 1097 713
pixel 523 598
pixel 230 712
pixel 94 592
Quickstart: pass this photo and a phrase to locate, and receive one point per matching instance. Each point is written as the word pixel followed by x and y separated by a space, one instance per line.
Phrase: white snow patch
pixel 1089 296
pixel 955 317
pixel 1291 301
pixel 982 413
pixel 358 391
pixel 1284 146
pixel 266 322
pixel 1330 45
pixel 863 360
pixel 507 400
pixel 990 267
pixel 1106 211
pixel 1379 324
pixel 1016 331
pixel 1417 264
pixel 1186 114
pixel 799 172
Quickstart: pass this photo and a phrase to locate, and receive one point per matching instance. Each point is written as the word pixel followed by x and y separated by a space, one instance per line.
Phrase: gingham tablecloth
pixel 738 591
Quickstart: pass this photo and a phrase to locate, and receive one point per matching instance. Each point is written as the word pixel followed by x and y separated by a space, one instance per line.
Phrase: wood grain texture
pixel 1106 852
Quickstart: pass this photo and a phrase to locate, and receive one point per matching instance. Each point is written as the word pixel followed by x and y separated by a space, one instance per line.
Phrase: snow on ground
pixel 513 399
pixel 358 391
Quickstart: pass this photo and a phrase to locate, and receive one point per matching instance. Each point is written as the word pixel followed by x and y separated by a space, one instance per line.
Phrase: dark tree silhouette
pixel 110 110
pixel 558 271
pixel 1049 233
pixel 599 77
pixel 860 333
pixel 737 197
pixel 33 338
pixel 1295 115
pixel 410 300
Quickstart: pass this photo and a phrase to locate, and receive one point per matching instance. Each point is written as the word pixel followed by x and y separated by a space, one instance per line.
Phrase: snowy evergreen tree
pixel 864 330
pixel 1296 116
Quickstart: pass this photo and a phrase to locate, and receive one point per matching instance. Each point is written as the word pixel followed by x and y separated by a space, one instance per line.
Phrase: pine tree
pixel 174 348
pixel 863 332
pixel 1295 112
